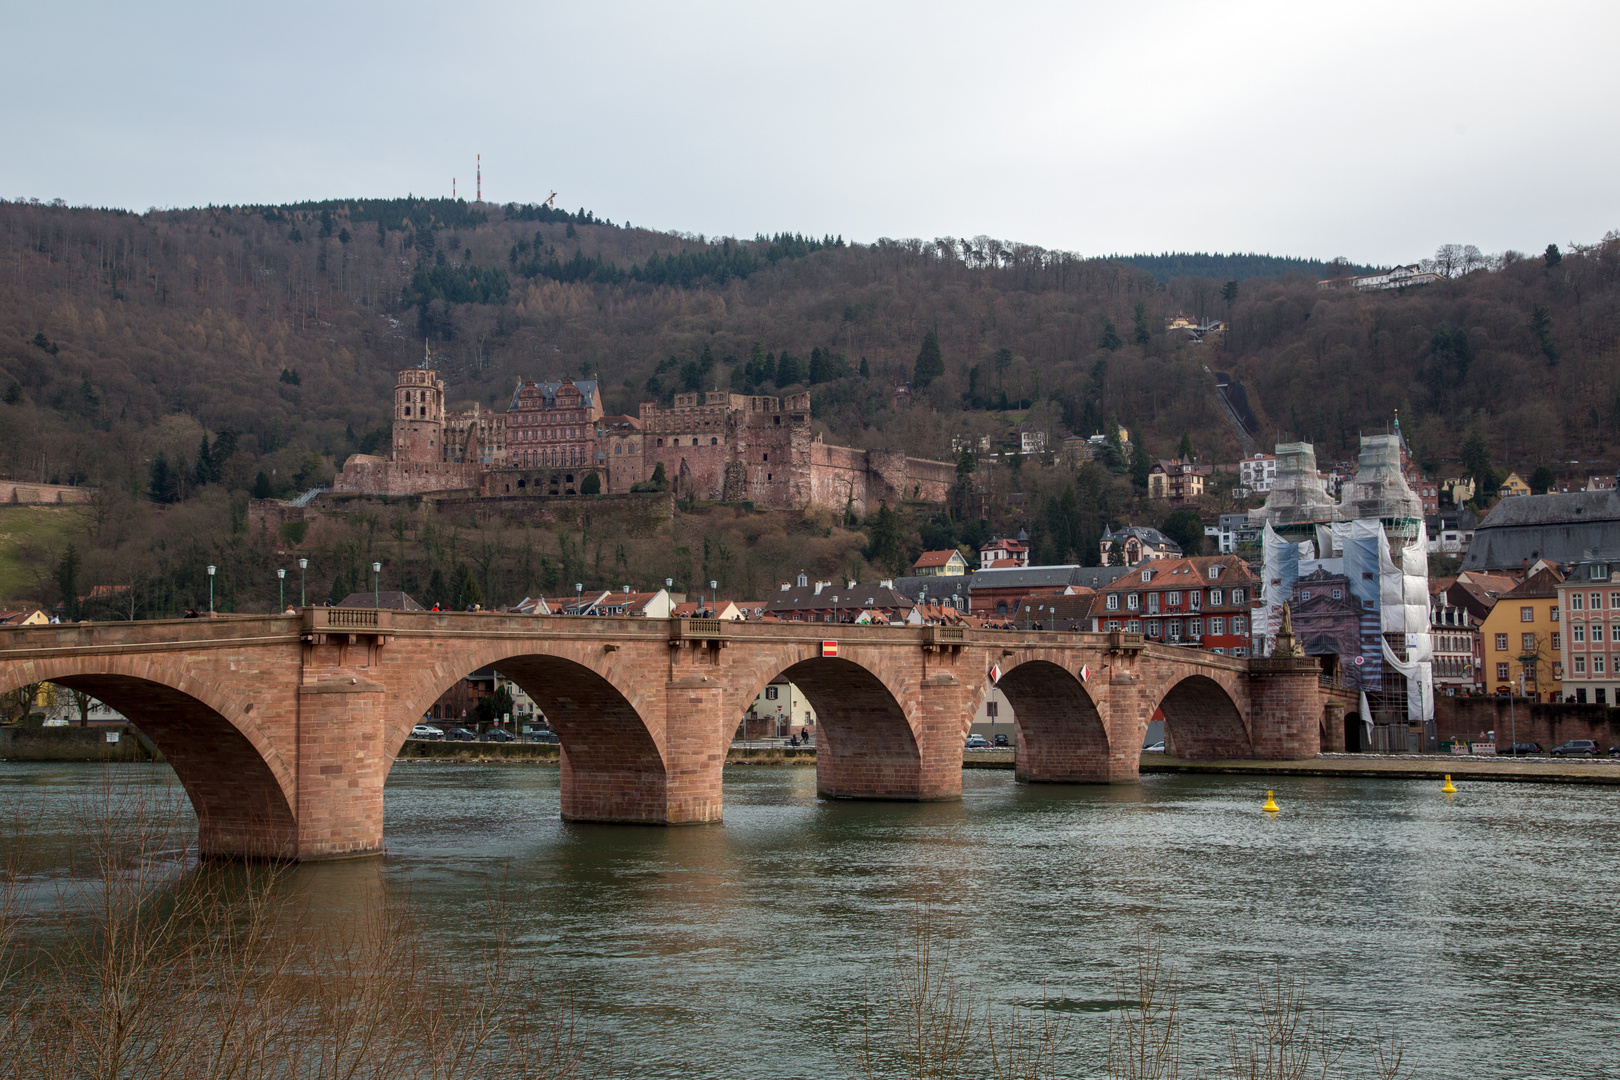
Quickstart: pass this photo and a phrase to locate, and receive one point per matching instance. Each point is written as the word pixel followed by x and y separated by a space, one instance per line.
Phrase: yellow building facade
pixel 1523 636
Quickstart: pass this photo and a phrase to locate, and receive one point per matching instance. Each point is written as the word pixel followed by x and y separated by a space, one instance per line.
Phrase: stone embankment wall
pixel 75 744
pixel 1537 722
pixel 11 492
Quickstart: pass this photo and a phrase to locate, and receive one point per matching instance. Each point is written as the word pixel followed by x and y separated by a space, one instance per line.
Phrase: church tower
pixel 419 415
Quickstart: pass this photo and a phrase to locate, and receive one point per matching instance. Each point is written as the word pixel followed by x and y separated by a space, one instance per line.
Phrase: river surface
pixel 1480 928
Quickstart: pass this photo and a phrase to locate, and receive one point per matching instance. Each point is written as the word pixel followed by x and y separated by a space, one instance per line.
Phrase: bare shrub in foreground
pixel 164 967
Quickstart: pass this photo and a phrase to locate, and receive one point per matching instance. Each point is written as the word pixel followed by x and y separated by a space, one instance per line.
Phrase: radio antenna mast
pixel 480 177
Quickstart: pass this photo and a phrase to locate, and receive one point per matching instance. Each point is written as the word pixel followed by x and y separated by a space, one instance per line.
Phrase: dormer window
pixel 1214 572
pixel 1147 575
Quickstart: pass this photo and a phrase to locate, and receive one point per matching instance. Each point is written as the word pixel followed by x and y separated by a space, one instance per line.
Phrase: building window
pixel 1113 625
pixel 1596 600
pixel 1557 642
pixel 1214 598
pixel 1527 614
pixel 1580 665
pixel 1195 628
pixel 1173 628
pixel 1575 599
pixel 1217 626
pixel 1577 633
pixel 660 442
pixel 1113 602
pixel 992 709
pixel 1152 602
pixel 1502 672
pixel 1237 596
pixel 1153 628
pixel 1238 623
pixel 1501 643
pixel 1305 594
pixel 1195 599
pixel 770 693
pixel 1597 631
pixel 1527 642
pixel 1133 626
pixel 1173 599
pixel 1133 601
pixel 1554 615
pixel 1599 696
pixel 1597 665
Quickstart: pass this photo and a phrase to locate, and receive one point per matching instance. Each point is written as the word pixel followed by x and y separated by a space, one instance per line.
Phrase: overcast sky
pixel 1375 131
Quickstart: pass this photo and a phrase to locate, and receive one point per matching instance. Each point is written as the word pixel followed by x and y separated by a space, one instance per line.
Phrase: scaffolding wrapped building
pixel 1372 541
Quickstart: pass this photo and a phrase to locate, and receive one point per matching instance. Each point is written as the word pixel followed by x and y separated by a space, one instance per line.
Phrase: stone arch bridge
pixel 283 728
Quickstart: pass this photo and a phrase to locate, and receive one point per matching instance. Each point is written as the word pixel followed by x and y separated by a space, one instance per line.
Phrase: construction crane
pixel 551 200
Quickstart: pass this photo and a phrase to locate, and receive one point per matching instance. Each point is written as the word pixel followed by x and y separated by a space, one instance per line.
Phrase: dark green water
pixel 1480 929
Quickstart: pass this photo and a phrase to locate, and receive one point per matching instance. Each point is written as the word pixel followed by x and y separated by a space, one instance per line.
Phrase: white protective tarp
pixel 1279 571
pixel 1404 601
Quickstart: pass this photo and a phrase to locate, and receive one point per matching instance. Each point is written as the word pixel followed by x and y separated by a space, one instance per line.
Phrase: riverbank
pixel 101 742
pixel 1599 771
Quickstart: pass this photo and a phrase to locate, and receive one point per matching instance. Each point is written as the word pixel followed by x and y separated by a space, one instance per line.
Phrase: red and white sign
pixel 1085 672
pixel 995 674
pixel 829 648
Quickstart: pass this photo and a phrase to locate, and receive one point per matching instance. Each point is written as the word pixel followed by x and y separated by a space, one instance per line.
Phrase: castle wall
pixel 369 475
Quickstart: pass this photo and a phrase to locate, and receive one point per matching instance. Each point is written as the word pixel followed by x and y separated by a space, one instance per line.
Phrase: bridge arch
pixel 1060 733
pixel 613 757
pixel 241 788
pixel 1202 721
pixel 866 746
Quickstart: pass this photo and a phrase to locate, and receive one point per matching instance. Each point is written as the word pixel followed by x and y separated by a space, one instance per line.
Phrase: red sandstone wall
pixel 363 474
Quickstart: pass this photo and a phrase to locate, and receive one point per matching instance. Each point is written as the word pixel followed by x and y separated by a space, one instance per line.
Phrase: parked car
pixel 460 734
pixel 1001 740
pixel 976 742
pixel 545 737
pixel 1577 748
pixel 1154 748
pixel 426 731
pixel 1614 751
pixel 1519 749
pixel 498 735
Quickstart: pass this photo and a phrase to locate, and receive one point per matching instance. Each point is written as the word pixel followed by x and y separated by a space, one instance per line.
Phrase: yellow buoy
pixel 1271 806
pixel 1450 788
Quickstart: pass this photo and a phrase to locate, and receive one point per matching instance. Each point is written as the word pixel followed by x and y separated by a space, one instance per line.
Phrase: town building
pixel 1002 552
pixel 1206 602
pixel 23 617
pixel 1522 638
pixel 947 563
pixel 1560 528
pixel 1031 440
pixel 1402 277
pixel 1454 632
pixel 1590 600
pixel 1258 473
pixel 1232 532
pixel 1450 532
pixel 1176 480
pixel 553 436
pixel 999 591
pixel 827 602
pixel 1134 544
pixel 780 711
pixel 1513 487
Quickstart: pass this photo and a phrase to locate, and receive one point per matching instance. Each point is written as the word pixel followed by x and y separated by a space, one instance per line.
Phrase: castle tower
pixel 418 416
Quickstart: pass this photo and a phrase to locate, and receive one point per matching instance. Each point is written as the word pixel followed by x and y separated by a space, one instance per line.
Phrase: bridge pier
pixel 1285 708
pixel 342 767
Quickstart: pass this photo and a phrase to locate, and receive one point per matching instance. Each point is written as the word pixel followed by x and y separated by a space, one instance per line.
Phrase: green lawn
pixel 28 537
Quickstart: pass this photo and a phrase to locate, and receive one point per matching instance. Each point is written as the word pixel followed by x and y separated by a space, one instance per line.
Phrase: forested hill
pixel 1174 264
pixel 123 336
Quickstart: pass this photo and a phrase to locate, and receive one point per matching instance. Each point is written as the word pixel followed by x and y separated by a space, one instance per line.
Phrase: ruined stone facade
pixel 713 446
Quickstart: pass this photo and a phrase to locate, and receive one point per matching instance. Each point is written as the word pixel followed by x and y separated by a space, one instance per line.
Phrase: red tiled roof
pixel 936 558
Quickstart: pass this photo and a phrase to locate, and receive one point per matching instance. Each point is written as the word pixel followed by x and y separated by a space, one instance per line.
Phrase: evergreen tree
pixel 1109 338
pixel 341 587
pixel 1185 450
pixel 883 540
pixel 1141 334
pixel 1229 293
pixel 1542 480
pixel 1476 460
pixel 866 372
pixel 660 479
pixel 204 473
pixel 591 485
pixel 930 365
pixel 467 592
pixel 1541 326
pixel 261 486
pixel 1140 465
pixel 67 581
pixel 161 483
pixel 789 369
pixel 1553 256
pixel 1186 528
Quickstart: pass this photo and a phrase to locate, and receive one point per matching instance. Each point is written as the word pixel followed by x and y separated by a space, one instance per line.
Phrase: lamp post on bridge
pixel 281 585
pixel 376 588
pixel 303 564
pixel 211 590
pixel 714 599
pixel 579 598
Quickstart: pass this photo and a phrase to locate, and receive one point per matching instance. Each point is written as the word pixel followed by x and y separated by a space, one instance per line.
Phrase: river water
pixel 1479 928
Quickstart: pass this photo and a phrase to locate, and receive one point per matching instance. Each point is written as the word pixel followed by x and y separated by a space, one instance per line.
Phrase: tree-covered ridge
pixel 1236 267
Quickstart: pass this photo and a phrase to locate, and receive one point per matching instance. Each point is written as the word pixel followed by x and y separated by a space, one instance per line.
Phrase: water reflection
pixel 1476 927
